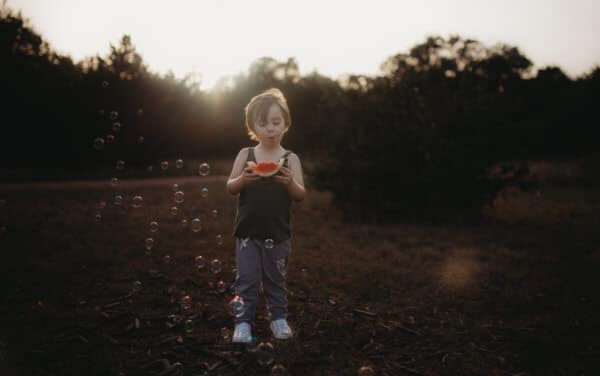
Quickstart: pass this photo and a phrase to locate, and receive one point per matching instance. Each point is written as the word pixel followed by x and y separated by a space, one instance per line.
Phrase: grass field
pixel 515 297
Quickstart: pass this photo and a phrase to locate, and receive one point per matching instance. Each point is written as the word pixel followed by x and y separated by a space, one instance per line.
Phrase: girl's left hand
pixel 285 178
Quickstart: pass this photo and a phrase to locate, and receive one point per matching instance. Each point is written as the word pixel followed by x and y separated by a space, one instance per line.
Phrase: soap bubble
pixel 116 127
pixel 196 225
pixel 184 223
pixel 265 354
pixel 214 213
pixel 173 320
pixel 221 287
pixel 225 333
pixel 200 262
pixel 175 187
pixel 118 200
pixel 237 306
pixel 105 84
pixel 153 226
pixel 120 165
pixel 219 239
pixel 99 143
pixel 110 139
pixel 204 192
pixel 113 115
pixel 185 303
pixel 100 205
pixel 179 197
pixel 216 266
pixel 269 243
pixel 137 201
pixel 174 210
pixel 279 370
pixel 141 140
pixel 179 163
pixel 114 182
pixel 137 286
pixel 149 243
pixel 98 217
pixel 366 371
pixel 167 259
pixel 204 169
pixel 164 165
pixel 188 326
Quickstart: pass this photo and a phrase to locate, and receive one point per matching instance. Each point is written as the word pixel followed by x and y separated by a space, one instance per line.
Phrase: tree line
pixel 416 142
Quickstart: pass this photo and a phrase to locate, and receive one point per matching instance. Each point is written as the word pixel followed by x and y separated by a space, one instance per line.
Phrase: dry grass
pixel 515 296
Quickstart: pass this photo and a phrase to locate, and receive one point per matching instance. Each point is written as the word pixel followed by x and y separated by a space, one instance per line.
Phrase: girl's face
pixel 271 132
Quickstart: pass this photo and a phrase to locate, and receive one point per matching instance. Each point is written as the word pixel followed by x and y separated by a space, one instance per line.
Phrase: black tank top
pixel 264 207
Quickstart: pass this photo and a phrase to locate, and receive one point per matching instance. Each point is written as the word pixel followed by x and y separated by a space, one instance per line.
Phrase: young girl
pixel 262 223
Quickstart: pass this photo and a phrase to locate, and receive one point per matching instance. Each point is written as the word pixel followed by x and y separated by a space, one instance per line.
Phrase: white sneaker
pixel 281 329
pixel 242 333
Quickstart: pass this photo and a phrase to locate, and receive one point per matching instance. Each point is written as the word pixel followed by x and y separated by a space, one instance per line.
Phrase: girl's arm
pixel 236 181
pixel 296 183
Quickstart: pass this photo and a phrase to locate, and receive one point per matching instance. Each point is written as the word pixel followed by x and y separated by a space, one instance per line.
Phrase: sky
pixel 216 38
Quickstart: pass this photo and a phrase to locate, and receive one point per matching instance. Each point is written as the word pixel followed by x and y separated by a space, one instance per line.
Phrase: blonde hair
pixel 258 109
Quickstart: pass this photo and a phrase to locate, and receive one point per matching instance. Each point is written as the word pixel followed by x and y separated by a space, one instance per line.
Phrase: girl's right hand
pixel 249 176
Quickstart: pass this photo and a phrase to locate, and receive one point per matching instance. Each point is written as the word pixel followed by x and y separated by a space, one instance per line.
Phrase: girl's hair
pixel 258 108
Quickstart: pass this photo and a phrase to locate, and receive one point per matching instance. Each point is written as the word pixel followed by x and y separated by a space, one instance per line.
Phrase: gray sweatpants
pixel 256 266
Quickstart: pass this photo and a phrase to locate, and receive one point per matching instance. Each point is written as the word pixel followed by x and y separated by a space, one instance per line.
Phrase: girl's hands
pixel 248 176
pixel 285 177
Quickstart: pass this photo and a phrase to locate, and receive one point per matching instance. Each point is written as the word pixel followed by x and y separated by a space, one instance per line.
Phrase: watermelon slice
pixel 266 169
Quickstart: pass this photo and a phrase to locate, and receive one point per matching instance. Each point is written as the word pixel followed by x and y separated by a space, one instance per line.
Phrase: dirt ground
pixel 517 296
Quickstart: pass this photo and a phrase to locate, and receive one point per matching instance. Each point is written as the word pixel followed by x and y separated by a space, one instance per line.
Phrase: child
pixel 262 222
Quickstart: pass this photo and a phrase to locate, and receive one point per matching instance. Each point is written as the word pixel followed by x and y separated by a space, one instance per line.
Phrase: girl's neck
pixel 269 149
